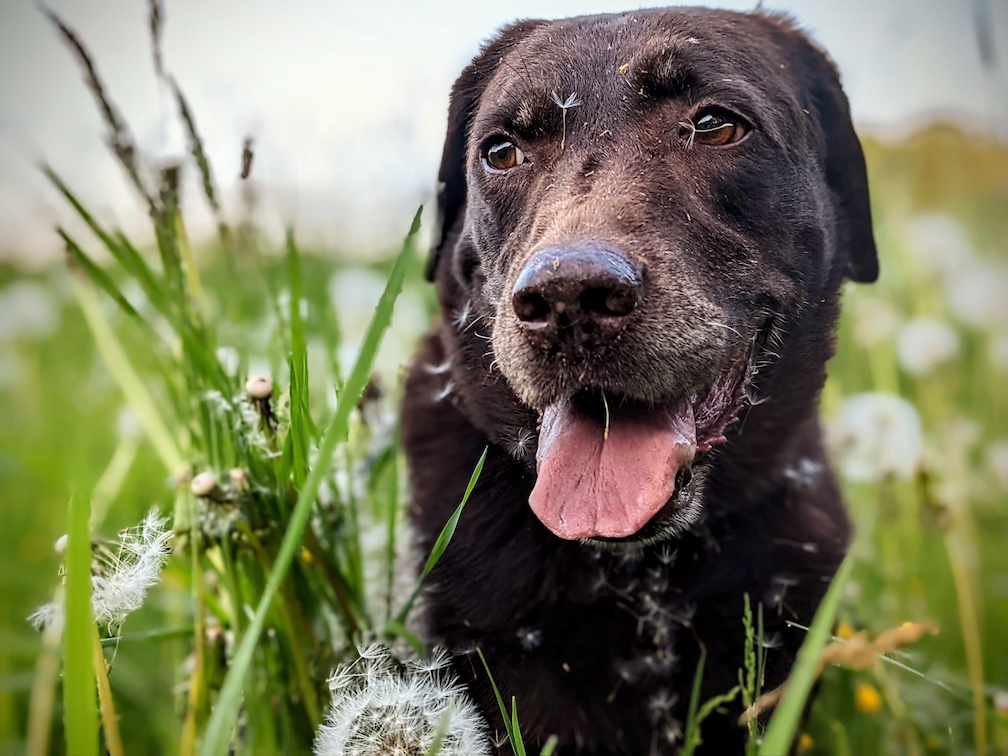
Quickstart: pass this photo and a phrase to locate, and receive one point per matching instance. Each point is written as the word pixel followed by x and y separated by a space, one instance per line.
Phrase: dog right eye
pixel 502 155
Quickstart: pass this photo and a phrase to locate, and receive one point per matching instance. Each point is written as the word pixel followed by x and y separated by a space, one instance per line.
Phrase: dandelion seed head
pixel 876 435
pixel 923 344
pixel 382 706
pixel 126 575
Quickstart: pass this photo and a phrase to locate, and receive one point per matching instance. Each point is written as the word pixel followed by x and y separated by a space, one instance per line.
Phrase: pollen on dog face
pixel 383 706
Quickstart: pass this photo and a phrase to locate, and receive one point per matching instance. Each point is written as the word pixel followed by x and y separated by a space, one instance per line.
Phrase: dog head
pixel 639 212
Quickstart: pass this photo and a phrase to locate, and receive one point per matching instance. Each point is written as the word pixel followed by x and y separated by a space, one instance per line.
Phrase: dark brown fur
pixel 599 644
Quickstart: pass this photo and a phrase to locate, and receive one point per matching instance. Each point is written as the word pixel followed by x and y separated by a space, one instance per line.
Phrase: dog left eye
pixel 713 128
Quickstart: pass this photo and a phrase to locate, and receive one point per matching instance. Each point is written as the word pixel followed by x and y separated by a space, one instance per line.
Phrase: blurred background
pixel 346 102
pixel 345 108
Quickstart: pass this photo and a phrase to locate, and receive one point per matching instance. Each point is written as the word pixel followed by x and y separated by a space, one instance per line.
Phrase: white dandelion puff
pixel 922 344
pixel 876 435
pixel 130 570
pixel 383 706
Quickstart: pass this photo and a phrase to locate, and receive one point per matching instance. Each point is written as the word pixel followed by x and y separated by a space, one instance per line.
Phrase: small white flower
pixel 922 344
pixel 122 586
pixel 876 435
pixel 382 706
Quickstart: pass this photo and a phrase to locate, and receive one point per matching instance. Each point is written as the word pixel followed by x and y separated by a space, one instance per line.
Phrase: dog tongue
pixel 594 483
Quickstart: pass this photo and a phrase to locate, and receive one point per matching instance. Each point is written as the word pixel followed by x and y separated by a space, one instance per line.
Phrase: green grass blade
pixel 441 544
pixel 550 746
pixel 129 381
pixel 225 713
pixel 99 277
pixel 79 689
pixel 300 431
pixel 785 721
pixel 516 740
pixel 692 737
pixel 500 701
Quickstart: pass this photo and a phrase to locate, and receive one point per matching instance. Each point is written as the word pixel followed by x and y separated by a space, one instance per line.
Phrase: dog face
pixel 641 212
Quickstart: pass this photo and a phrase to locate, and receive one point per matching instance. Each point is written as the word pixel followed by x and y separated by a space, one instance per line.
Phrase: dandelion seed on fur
pixel 383 706
pixel 128 571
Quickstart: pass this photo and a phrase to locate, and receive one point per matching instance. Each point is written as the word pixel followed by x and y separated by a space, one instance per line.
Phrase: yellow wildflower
pixel 867 698
pixel 805 743
pixel 844 631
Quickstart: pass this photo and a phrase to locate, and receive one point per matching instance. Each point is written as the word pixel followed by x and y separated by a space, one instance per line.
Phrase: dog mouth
pixel 614 468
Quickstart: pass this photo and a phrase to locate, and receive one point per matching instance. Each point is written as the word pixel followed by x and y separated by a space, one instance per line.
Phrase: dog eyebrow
pixel 664 72
pixel 528 114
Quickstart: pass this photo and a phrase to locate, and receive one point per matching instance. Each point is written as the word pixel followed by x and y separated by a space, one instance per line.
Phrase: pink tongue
pixel 609 486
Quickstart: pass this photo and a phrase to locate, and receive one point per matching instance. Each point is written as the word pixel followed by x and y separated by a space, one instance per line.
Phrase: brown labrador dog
pixel 646 221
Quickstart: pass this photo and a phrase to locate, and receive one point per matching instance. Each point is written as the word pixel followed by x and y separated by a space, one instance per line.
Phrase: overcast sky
pixel 347 101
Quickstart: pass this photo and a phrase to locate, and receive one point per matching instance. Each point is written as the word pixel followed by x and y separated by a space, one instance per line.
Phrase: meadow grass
pixel 127 388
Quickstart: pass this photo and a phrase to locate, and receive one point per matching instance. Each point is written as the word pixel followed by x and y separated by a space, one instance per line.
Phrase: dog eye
pixel 713 128
pixel 502 155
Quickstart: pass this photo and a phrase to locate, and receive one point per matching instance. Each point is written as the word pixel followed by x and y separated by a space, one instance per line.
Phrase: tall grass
pixel 287 506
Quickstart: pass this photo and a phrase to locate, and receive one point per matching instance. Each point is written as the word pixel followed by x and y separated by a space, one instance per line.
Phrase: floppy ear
pixel 464 97
pixel 848 178
pixel 845 167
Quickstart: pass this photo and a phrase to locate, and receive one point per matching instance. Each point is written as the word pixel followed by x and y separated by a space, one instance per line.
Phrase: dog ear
pixel 844 163
pixel 848 178
pixel 464 97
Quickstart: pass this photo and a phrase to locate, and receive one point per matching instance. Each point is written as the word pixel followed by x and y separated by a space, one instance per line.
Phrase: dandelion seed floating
pixel 383 706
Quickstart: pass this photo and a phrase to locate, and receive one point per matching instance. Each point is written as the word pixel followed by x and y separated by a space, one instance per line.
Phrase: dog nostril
pixel 609 301
pixel 530 307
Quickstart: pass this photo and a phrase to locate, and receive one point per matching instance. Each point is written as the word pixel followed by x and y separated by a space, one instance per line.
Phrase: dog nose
pixel 586 290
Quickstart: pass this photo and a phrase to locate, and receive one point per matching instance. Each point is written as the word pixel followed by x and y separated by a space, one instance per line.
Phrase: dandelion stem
pixel 106 704
pixel 43 692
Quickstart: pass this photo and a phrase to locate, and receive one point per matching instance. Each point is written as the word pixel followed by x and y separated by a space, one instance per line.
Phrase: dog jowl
pixel 646 221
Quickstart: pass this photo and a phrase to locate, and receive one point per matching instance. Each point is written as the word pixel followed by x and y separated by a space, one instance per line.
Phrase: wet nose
pixel 588 292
